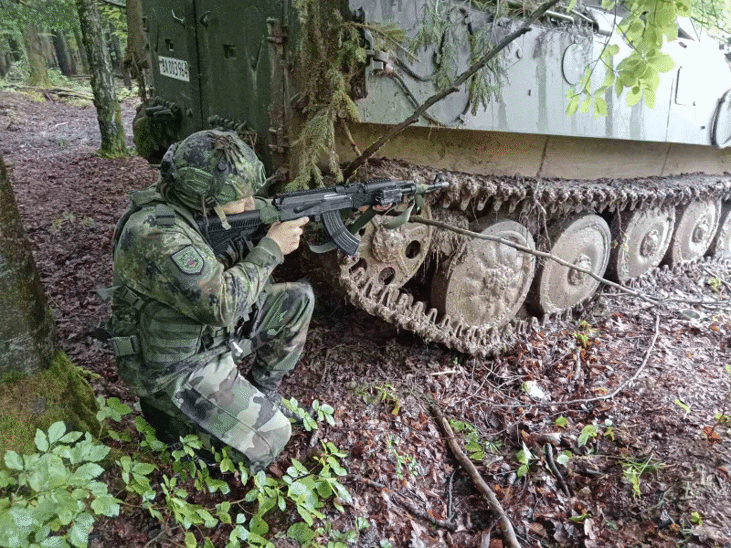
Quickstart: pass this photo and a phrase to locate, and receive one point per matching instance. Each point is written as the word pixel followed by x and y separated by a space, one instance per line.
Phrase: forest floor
pixel 644 470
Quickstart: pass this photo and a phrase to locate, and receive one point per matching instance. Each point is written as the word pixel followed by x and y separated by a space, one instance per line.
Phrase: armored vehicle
pixel 619 192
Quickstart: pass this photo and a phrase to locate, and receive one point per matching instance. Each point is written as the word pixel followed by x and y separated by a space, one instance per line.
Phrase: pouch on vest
pixel 167 337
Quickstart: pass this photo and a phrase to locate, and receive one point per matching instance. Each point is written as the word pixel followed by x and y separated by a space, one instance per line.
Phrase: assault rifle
pixel 323 205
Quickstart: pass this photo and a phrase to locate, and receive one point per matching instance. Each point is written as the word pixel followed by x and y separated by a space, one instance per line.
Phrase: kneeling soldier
pixel 182 317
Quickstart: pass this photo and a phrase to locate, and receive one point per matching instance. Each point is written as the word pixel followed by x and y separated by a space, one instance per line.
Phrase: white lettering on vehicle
pixel 174 68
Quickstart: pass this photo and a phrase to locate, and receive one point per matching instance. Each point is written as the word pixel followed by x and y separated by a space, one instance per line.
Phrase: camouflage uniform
pixel 178 309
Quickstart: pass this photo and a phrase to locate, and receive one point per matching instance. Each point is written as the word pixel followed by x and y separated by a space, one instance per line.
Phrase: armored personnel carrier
pixel 618 194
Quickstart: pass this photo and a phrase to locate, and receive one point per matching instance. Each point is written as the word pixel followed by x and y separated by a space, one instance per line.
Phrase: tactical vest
pixel 152 342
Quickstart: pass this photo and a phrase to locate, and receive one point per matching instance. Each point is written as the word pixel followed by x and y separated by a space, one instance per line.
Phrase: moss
pixel 59 393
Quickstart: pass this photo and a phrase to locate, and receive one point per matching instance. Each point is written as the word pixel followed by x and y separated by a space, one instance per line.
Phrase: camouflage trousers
pixel 217 400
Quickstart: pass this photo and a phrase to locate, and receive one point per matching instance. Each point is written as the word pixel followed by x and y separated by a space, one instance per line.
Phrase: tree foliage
pixel 647 27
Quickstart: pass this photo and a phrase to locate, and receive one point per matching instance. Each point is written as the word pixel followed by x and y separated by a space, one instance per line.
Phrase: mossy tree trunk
pixel 63 53
pixel 27 343
pixel 108 111
pixel 38 384
pixel 38 71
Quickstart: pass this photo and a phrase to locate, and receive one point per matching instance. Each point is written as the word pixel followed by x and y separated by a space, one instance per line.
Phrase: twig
pixel 493 503
pixel 598 398
pixel 461 79
pixel 556 472
pixel 524 249
pixel 403 501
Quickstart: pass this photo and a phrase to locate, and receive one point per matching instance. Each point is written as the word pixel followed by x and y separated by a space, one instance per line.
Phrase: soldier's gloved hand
pixel 287 234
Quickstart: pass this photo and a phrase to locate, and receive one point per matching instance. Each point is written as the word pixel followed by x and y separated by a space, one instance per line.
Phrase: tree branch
pixel 461 79
pixel 507 528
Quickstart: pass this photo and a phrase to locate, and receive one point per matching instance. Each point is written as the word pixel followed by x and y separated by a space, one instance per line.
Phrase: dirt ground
pixel 651 468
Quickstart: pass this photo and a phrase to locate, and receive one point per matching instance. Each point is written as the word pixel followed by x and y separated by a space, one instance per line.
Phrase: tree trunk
pixel 27 343
pixel 38 383
pixel 65 60
pixel 36 60
pixel 135 60
pixel 4 56
pixel 108 111
pixel 83 59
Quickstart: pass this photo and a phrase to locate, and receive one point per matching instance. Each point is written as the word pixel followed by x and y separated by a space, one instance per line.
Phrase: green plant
pixel 633 470
pixel 382 393
pixel 584 333
pixel 475 446
pixel 524 458
pixel 589 432
pixel 52 497
pixel 308 423
pixel 715 284
pixel 403 461
pixel 696 518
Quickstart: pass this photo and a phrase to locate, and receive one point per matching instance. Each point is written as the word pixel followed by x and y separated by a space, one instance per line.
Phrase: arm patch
pixel 189 260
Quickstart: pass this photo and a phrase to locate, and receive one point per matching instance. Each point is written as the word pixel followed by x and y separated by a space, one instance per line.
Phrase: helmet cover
pixel 212 166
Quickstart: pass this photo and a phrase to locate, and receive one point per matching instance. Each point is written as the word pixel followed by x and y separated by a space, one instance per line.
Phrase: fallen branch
pixel 507 527
pixel 461 79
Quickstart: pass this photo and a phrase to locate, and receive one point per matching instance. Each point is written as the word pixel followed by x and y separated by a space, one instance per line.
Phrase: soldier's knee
pixel 274 436
pixel 305 297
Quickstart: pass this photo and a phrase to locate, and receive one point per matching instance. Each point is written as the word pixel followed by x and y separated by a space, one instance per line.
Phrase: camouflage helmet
pixel 211 167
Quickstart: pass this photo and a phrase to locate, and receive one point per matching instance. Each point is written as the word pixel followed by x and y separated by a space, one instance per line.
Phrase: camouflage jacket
pixel 183 300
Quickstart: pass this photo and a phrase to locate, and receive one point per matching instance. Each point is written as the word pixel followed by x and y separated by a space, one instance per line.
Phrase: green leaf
pixel 78 534
pixel 648 96
pixel 608 4
pixel 585 104
pixel 573 105
pixel 564 458
pixel 56 432
pixel 600 106
pixel 662 62
pixel 589 431
pixel 143 468
pixel 561 422
pixel 633 96
pixel 684 406
pixel 71 437
pixel 258 526
pixel 301 532
pixel 106 505
pixel 87 471
pixel 190 541
pixel 13 460
pixel 41 441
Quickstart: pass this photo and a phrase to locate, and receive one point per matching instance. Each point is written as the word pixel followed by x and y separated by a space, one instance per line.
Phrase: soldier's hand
pixel 287 234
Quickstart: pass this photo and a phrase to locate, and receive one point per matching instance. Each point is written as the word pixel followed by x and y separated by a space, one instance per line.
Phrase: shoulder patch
pixel 189 260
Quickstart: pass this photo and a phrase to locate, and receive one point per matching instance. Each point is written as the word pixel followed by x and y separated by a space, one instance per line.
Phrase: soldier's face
pixel 239 206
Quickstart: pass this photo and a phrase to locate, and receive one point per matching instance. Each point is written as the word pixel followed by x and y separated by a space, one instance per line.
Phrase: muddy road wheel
pixel 486 284
pixel 583 241
pixel 695 228
pixel 640 240
pixel 390 256
pixel 721 246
